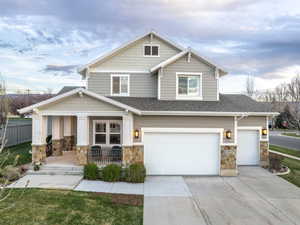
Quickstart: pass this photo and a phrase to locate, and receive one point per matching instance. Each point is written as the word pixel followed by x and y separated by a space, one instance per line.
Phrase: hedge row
pixel 135 173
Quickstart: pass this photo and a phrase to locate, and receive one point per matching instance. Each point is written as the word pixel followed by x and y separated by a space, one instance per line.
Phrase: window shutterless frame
pixel 151 45
pixel 120 84
pixel 187 96
pixel 107 132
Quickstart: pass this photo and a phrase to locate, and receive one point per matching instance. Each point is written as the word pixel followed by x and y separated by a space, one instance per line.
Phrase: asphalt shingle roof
pixel 227 103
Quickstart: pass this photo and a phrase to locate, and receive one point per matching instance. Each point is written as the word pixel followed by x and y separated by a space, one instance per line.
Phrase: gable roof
pixel 183 53
pixel 83 68
pixel 82 91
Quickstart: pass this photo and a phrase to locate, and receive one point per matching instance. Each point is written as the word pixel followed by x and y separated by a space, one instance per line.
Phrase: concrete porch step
pixel 57 170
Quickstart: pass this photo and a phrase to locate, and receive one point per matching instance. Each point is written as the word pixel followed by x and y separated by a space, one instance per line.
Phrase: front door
pixel 107 132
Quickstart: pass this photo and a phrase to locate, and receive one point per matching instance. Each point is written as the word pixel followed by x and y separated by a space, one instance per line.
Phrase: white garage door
pixel 181 153
pixel 248 147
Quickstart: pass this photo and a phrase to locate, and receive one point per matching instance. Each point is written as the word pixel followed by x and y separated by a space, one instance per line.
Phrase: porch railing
pixel 105 155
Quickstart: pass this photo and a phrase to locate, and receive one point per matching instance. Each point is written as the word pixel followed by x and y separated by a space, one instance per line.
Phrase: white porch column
pixel 39 134
pixel 82 138
pixel 127 132
pixel 57 135
pixel 68 133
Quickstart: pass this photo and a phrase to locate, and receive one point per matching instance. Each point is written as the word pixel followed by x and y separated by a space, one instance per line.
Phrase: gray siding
pixel 141 84
pixel 253 121
pixel 185 122
pixel 80 104
pixel 168 80
pixel 132 57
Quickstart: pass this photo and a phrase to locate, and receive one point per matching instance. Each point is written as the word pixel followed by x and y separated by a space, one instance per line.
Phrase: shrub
pixel 275 161
pixel 91 171
pixel 11 173
pixel 111 173
pixel 136 173
pixel 36 167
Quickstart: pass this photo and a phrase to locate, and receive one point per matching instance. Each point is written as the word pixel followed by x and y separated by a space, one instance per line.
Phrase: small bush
pixel 91 171
pixel 11 173
pixel 111 173
pixel 36 167
pixel 136 173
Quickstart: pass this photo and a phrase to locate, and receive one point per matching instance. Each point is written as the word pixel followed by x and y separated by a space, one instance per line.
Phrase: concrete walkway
pixel 47 181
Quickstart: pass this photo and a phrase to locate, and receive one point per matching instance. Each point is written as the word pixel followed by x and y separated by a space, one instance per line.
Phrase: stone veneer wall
pixel 57 147
pixel 264 153
pixel 228 160
pixel 68 143
pixel 82 154
pixel 133 154
pixel 38 153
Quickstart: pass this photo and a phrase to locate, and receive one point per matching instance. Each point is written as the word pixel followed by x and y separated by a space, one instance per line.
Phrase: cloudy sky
pixel 42 42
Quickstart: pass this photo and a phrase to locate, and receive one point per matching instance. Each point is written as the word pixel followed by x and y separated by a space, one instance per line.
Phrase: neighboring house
pixel 161 104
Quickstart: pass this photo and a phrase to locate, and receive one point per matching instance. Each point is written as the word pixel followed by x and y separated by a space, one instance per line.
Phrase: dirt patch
pixel 125 199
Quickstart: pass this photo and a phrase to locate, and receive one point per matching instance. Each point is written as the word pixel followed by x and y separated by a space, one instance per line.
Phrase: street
pixel 284 141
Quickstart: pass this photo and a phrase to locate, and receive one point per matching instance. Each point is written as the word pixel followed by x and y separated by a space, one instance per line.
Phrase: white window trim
pixel 107 133
pixel 111 84
pixel 151 50
pixel 179 97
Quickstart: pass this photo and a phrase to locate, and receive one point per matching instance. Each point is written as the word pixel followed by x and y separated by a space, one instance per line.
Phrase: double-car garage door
pixel 181 153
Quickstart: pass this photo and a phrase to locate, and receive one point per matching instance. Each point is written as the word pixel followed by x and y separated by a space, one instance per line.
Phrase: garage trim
pixel 219 131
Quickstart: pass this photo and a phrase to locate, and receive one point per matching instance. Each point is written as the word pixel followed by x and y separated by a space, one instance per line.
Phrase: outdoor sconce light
pixel 264 131
pixel 228 134
pixel 136 133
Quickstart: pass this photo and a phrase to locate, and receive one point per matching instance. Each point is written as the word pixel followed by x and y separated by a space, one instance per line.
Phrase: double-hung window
pixel 189 86
pixel 151 50
pixel 107 132
pixel 120 84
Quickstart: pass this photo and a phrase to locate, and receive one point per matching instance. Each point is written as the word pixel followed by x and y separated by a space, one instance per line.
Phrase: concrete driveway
pixel 254 197
pixel 284 141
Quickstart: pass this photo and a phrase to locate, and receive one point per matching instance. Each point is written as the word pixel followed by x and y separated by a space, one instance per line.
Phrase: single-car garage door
pixel 181 153
pixel 248 147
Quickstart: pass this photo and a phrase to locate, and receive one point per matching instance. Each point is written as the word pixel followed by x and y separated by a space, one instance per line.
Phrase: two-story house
pixel 158 103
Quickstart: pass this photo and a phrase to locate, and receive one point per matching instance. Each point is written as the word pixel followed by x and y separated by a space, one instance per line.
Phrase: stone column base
pixel 264 153
pixel 57 147
pixel 68 143
pixel 133 154
pixel 38 153
pixel 82 154
pixel 228 160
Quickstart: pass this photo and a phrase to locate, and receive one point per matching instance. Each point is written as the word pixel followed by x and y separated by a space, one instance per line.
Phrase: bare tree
pixel 294 94
pixel 4 110
pixel 250 86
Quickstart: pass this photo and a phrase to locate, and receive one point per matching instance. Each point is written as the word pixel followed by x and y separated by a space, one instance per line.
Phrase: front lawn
pixel 291 134
pixel 57 207
pixel 294 165
pixel 8 155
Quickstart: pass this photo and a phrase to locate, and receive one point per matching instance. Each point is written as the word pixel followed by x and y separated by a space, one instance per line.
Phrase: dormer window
pixel 151 50
pixel 189 86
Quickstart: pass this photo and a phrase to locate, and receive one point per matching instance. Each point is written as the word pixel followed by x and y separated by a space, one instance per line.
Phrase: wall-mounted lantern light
pixel 136 133
pixel 228 134
pixel 264 131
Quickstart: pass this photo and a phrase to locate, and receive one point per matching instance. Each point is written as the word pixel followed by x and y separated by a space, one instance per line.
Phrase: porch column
pixel 68 133
pixel 82 138
pixel 57 135
pixel 39 134
pixel 131 153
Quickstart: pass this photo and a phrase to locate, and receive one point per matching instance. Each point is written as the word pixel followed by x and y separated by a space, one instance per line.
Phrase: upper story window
pixel 120 84
pixel 189 86
pixel 151 50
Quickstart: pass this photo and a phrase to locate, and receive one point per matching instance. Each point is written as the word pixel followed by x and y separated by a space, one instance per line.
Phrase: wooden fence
pixel 18 133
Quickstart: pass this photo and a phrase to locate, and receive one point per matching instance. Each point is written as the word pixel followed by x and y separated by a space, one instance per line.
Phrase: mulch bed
pixel 125 199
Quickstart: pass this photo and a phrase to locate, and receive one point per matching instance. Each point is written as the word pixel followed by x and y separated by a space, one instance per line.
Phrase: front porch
pixel 82 138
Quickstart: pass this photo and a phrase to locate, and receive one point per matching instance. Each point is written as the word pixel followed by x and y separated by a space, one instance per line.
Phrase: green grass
pixel 291 134
pixel 285 150
pixel 294 165
pixel 57 207
pixel 9 155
